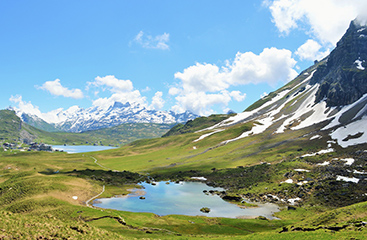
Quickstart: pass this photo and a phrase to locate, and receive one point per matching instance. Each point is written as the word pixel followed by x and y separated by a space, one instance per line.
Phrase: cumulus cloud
pixel 114 84
pixel 271 66
pixel 55 88
pixel 325 20
pixel 200 102
pixel 310 50
pixel 122 91
pixel 157 101
pixel 203 85
pixel 238 96
pixel 152 42
pixel 29 108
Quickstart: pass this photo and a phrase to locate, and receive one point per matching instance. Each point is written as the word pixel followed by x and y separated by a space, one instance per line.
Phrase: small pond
pixel 80 148
pixel 184 198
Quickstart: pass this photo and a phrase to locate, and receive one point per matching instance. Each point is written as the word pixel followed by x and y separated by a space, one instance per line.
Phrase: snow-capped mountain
pixel 330 96
pixel 76 119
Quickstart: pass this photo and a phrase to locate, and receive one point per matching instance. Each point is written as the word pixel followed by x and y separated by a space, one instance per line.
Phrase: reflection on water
pixel 80 148
pixel 185 198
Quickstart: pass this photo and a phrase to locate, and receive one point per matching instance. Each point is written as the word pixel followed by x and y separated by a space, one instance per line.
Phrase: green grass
pixel 37 188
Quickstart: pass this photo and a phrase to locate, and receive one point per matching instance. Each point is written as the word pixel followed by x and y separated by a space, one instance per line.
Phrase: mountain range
pixel 76 119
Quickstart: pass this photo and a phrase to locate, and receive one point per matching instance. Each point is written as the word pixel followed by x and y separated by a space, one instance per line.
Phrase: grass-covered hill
pixel 13 129
pixel 196 124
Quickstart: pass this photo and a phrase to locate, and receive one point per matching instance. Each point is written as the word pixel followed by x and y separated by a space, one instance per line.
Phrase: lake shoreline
pixel 159 198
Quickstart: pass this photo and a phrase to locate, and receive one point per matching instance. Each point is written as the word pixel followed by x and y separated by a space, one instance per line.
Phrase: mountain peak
pixel 342 76
pixel 76 119
pixel 120 105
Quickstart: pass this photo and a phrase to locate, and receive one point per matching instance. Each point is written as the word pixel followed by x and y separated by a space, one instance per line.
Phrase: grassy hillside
pixel 196 124
pixel 37 189
pixel 10 125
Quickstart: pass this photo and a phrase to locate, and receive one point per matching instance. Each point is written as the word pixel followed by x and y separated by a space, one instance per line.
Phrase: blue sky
pixel 206 56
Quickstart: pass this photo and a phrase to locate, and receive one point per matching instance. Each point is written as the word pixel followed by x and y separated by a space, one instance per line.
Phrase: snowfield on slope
pixel 341 134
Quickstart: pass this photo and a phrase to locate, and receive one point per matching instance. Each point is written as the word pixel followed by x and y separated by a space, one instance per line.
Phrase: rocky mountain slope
pixel 332 93
pixel 76 119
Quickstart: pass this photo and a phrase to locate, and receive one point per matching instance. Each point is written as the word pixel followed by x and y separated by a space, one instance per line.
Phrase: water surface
pixel 80 148
pixel 185 198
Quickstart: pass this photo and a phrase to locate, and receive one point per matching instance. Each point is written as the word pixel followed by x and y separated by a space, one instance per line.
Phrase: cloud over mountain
pixel 202 85
pixel 55 88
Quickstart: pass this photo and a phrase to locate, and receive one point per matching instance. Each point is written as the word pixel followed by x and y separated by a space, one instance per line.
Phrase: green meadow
pixel 44 195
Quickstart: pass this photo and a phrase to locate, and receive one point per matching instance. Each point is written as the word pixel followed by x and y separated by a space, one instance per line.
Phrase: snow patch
pixel 75 197
pixel 240 117
pixel 208 134
pixel 288 181
pixel 256 129
pixel 341 134
pixel 323 164
pixel 316 137
pixel 317 111
pixel 359 64
pixel 293 201
pixel 347 179
pixel 199 178
pixel 301 183
pixel 329 150
pixel 349 161
pixel 301 170
pixel 335 122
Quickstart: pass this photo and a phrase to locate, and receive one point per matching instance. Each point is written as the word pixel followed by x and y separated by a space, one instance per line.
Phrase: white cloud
pixel 124 97
pixel 203 85
pixel 326 20
pixel 29 108
pixel 55 88
pixel 201 102
pixel 238 96
pixel 157 101
pixel 146 89
pixel 152 42
pixel 203 77
pixel 26 107
pixel 122 91
pixel 310 50
pixel 114 84
pixel 271 66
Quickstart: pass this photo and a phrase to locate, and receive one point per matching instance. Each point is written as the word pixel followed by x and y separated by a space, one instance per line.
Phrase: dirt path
pixel 95 161
pixel 87 202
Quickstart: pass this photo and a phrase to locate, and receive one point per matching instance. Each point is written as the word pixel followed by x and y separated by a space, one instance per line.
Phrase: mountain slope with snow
pixel 332 94
pixel 76 119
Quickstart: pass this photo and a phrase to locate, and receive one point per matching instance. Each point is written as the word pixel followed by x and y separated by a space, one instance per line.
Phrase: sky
pixel 205 56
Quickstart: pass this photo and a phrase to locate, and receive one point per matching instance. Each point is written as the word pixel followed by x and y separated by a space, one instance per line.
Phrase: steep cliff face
pixel 343 76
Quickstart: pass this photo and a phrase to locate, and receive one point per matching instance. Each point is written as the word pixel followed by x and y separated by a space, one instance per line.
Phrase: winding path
pixel 87 202
pixel 95 161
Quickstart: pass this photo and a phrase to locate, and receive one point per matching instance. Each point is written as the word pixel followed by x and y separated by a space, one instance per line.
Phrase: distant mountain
pixel 329 97
pixel 13 129
pixel 37 122
pixel 76 119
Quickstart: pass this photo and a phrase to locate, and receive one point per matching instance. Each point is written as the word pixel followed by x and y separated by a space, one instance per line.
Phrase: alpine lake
pixel 80 148
pixel 183 198
pixel 178 198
